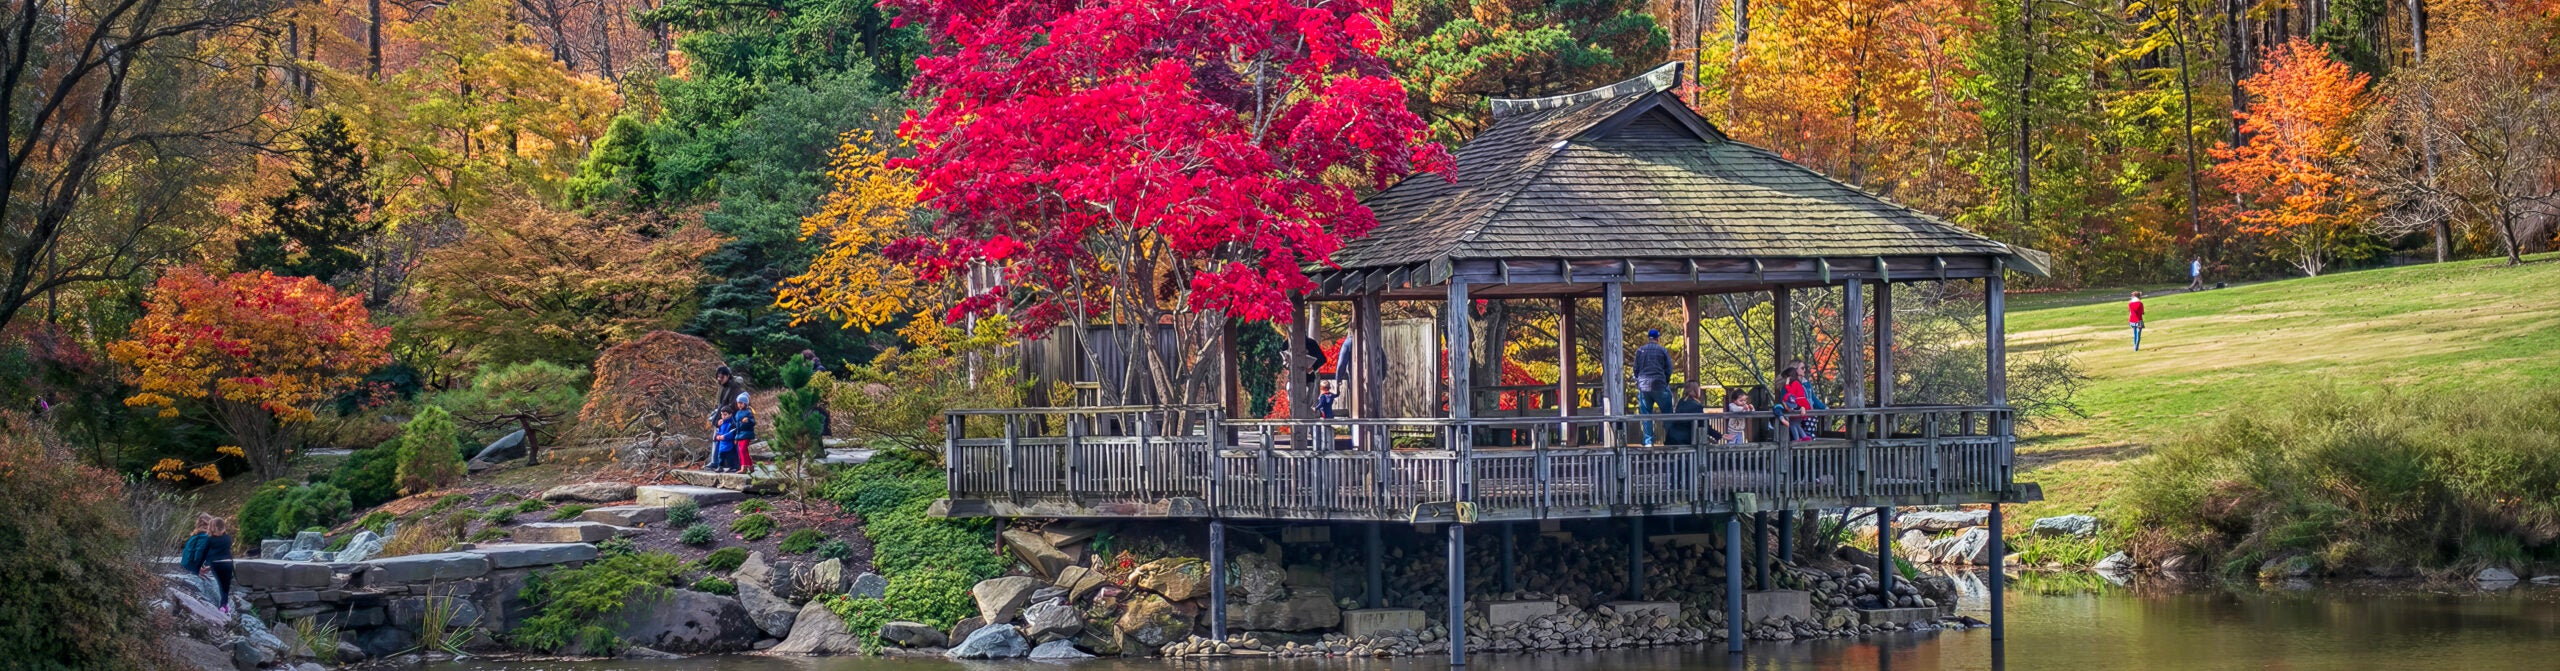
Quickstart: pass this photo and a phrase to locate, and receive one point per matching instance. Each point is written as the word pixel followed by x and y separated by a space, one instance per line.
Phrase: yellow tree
pixel 257 349
pixel 871 205
pixel 2291 173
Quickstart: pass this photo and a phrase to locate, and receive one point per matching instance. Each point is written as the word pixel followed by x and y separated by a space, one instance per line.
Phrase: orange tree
pixel 2290 174
pixel 257 349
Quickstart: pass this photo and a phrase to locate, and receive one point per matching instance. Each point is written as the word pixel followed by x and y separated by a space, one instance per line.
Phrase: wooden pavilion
pixel 1607 194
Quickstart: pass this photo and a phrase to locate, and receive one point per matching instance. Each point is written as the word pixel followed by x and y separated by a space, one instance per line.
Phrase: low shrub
pixel 488 534
pixel 836 550
pixel 722 560
pixel 753 506
pixel 371 477
pixel 575 606
pixel 570 512
pixel 616 546
pixel 2363 480
pixel 76 596
pixel 698 534
pixel 428 459
pixel 683 513
pixel 803 541
pixel 505 515
pixel 531 505
pixel 281 509
pixel 931 563
pixel 377 521
pixel 936 597
pixel 715 585
pixel 753 527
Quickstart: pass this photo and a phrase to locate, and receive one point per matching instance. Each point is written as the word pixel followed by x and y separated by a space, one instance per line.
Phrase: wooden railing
pixel 1107 461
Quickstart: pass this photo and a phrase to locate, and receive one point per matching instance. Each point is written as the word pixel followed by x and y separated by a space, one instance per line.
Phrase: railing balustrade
pixel 1105 459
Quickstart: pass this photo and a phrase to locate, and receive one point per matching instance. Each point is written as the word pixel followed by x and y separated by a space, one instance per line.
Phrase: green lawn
pixel 2458 328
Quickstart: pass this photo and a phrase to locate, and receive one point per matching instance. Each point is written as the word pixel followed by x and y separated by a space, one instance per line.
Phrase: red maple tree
pixel 1158 162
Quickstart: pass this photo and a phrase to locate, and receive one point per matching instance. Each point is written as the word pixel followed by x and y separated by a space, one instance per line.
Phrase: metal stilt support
pixel 1760 550
pixel 1457 595
pixel 1635 558
pixel 1218 579
pixel 1999 574
pixel 1884 554
pixel 1733 582
pixel 1510 548
pixel 1376 597
pixel 1787 536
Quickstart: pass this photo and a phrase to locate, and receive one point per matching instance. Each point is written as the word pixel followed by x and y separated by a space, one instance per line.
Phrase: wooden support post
pixel 1782 329
pixel 1457 593
pixel 1995 318
pixel 1689 337
pixel 1373 371
pixel 1376 597
pixel 1853 379
pixel 1613 357
pixel 1568 354
pixel 1760 550
pixel 1461 360
pixel 1999 572
pixel 1787 536
pixel 1302 394
pixel 1635 558
pixel 1230 377
pixel 1884 345
pixel 1884 553
pixel 1510 567
pixel 1733 614
pixel 1218 579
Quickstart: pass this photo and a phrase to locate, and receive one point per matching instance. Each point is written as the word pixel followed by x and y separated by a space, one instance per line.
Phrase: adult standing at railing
pixel 1793 398
pixel 1653 380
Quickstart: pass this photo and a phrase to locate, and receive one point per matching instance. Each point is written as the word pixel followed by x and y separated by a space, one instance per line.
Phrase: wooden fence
pixel 1157 461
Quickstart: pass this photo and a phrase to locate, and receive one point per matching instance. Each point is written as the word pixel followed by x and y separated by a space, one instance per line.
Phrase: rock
pixel 1068 576
pixel 686 621
pixel 1045 559
pixel 826 577
pixel 2292 566
pixel 817 631
pixel 520 555
pixel 754 570
pixel 2114 563
pixel 590 492
pixel 1068 534
pixel 505 448
pixel 770 611
pixel 310 541
pixel 1938 521
pixel 667 495
pixel 996 641
pixel 1050 621
pixel 2077 526
pixel 1300 612
pixel 999 599
pixel 437 567
pixel 1059 649
pixel 2494 575
pixel 1177 578
pixel 869 586
pixel 646 652
pixel 1086 585
pixel 195 655
pixel 912 635
pixel 965 627
pixel 363 546
pixel 2181 564
pixel 563 532
pixel 1971 548
pixel 625 516
pixel 1152 621
pixel 737 482
pixel 408 613
pixel 1914 545
pixel 195 612
pixel 348 652
pixel 268 574
pixel 247 657
pixel 1259 578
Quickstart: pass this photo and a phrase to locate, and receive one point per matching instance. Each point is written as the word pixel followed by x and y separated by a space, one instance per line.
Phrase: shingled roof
pixel 1629 171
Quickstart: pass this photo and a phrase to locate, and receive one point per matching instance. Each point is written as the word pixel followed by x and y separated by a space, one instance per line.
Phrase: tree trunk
pixel 373 39
pixel 2026 103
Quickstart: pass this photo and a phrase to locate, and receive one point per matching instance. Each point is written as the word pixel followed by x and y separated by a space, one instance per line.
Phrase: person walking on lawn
pixel 1653 380
pixel 2133 311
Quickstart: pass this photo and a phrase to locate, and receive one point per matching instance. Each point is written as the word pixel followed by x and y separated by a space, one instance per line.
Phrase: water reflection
pixel 2057 621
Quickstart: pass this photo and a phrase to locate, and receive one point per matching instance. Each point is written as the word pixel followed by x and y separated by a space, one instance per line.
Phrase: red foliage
pixel 1226 141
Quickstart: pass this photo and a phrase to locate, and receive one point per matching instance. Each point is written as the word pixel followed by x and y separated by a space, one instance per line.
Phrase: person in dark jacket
pixel 209 550
pixel 742 432
pixel 1653 380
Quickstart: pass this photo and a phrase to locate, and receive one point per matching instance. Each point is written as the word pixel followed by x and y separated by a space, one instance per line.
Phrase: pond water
pixel 2069 622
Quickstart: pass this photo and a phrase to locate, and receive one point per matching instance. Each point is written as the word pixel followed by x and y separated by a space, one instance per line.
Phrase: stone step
pixel 518 555
pixel 1897 615
pixel 848 456
pixel 662 495
pixel 763 481
pixel 563 532
pixel 625 516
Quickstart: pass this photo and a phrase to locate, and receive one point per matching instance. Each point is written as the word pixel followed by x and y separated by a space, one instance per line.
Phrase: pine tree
pixel 799 426
pixel 316 227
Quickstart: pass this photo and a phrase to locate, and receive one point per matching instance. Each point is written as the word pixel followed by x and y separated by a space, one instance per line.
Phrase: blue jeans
pixel 1653 402
pixel 2137 336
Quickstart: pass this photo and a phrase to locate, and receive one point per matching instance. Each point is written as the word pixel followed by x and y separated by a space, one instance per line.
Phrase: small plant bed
pixel 823 528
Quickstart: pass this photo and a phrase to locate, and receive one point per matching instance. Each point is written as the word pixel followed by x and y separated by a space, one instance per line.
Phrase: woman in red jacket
pixel 2133 310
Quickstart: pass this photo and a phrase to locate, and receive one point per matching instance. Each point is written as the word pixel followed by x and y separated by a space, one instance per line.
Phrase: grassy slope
pixel 2454 328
